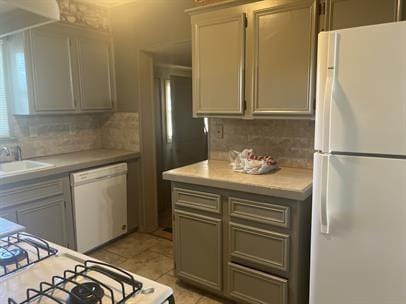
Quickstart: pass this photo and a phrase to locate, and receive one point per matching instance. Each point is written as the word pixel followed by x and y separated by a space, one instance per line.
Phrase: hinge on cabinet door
pixel 245 21
pixel 322 8
pixel 244 105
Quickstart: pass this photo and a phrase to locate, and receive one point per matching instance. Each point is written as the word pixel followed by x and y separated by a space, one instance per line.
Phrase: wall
pixel 144 25
pixel 290 142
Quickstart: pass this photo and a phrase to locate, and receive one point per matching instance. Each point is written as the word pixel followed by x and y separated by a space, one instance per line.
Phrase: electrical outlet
pixel 219 130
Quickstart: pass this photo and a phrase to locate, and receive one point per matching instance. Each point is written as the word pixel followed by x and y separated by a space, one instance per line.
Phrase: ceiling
pixel 176 53
pixel 106 3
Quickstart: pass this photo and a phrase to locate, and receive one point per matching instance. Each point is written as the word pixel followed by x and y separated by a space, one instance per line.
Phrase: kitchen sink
pixel 19 167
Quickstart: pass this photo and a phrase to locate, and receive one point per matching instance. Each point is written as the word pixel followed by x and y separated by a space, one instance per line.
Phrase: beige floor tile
pixel 164 247
pixel 184 294
pixel 108 257
pixel 149 264
pixel 132 245
pixel 209 299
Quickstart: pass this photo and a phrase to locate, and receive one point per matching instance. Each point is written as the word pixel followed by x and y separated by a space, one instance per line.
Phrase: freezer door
pixel 360 258
pixel 361 90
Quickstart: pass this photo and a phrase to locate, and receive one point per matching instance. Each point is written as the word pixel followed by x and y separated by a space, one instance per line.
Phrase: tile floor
pixel 152 257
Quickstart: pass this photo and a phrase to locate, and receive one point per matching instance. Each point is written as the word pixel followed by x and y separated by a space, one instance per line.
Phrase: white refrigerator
pixel 358 250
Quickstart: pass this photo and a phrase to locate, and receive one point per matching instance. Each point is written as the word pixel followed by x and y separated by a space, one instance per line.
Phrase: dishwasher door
pixel 100 205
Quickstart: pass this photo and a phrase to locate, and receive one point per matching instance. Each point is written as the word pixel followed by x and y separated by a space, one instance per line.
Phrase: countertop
pixel 290 183
pixel 70 162
pixel 7 228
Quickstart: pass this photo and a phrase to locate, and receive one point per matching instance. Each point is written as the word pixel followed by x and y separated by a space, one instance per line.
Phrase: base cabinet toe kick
pixel 245 247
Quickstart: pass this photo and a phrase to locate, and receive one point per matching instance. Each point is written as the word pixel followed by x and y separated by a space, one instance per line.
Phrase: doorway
pixel 181 139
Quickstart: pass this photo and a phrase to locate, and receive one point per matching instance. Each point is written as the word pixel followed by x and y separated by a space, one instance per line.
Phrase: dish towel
pixel 249 163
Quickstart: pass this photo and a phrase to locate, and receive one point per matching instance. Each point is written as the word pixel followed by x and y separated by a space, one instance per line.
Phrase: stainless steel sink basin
pixel 19 167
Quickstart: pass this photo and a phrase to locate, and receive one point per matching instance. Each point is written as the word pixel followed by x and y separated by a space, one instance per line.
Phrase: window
pixel 168 111
pixel 4 118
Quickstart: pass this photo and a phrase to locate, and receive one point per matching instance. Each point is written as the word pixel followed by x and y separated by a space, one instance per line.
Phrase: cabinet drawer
pixel 197 200
pixel 29 193
pixel 260 212
pixel 256 287
pixel 259 247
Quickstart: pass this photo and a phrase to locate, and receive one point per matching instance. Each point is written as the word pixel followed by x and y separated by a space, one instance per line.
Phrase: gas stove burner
pixel 87 293
pixel 10 255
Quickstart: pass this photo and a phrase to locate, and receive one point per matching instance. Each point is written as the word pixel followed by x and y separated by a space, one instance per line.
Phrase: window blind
pixel 4 119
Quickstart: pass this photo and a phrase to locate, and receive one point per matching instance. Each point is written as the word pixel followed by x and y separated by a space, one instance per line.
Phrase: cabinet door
pixel 9 215
pixel 283 40
pixel 46 219
pixel 198 249
pixel 218 64
pixel 352 13
pixel 95 74
pixel 52 71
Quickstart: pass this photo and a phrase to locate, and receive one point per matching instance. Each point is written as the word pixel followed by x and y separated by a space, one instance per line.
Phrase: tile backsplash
pixel 55 134
pixel 121 131
pixel 290 142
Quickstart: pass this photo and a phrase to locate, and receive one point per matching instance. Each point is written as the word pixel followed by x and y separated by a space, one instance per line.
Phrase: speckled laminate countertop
pixel 290 183
pixel 8 228
pixel 70 162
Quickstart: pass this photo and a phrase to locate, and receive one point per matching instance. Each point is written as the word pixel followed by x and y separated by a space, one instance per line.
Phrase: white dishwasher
pixel 100 205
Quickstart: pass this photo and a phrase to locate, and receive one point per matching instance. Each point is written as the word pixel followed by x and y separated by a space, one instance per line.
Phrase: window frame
pixel 7 83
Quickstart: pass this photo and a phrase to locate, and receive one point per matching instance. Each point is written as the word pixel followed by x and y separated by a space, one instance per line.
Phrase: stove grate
pixel 21 250
pixel 128 285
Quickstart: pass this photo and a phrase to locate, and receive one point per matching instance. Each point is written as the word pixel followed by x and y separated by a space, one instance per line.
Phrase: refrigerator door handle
pixel 324 215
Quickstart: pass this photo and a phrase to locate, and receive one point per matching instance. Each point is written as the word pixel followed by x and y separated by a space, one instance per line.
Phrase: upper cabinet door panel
pixel 52 64
pixel 218 64
pixel 283 58
pixel 352 13
pixel 95 74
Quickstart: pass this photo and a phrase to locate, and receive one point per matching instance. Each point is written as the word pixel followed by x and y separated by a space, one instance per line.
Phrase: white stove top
pixel 15 284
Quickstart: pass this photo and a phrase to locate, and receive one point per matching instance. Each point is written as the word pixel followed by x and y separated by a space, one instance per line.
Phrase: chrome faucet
pixel 5 151
pixel 18 153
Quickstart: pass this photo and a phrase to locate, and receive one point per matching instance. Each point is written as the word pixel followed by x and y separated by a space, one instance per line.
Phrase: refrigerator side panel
pixel 322 51
pixel 368 110
pixel 361 260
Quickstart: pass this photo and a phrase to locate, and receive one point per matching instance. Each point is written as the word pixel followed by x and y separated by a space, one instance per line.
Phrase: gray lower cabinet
pixel 198 252
pixel 351 13
pixel 43 206
pixel 249 248
pixel 253 286
pixel 46 219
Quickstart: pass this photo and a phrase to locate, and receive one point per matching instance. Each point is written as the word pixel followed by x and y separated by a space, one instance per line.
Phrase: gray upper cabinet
pixel 95 74
pixel 255 60
pixel 53 87
pixel 283 41
pixel 56 69
pixel 351 13
pixel 218 63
